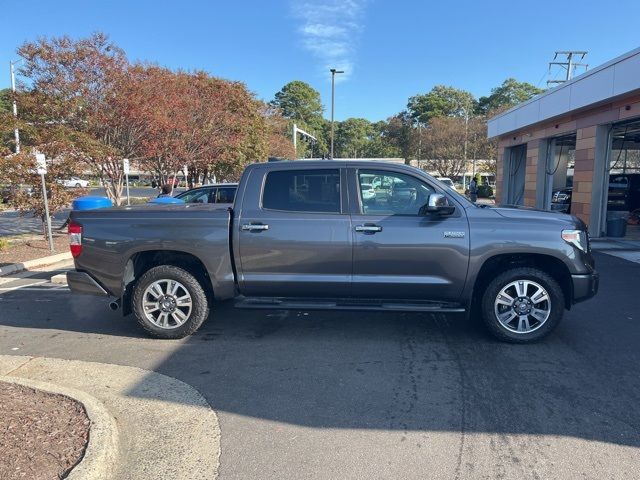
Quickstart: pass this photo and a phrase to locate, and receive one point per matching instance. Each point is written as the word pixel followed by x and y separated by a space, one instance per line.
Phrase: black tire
pixel 78 185
pixel 554 291
pixel 199 309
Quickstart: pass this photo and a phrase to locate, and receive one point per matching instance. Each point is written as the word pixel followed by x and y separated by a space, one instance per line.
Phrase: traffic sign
pixel 125 166
pixel 41 164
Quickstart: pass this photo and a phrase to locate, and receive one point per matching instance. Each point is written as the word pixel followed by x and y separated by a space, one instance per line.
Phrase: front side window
pixel 303 191
pixel 390 193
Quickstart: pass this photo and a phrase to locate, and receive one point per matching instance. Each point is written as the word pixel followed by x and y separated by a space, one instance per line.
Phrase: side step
pixel 347 304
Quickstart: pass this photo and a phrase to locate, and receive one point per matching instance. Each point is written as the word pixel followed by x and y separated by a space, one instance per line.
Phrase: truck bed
pixel 112 237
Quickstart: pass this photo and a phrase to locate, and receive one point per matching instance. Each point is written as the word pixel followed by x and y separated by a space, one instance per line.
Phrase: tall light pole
pixel 12 65
pixel 333 96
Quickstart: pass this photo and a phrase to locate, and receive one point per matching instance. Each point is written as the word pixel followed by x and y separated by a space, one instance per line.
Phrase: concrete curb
pixel 101 452
pixel 38 262
pixel 165 427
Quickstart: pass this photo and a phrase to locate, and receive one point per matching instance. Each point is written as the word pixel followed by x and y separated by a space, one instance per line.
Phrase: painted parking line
pixel 22 286
pixel 33 285
pixel 630 255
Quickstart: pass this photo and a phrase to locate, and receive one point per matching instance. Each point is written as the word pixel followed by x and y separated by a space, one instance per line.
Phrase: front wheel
pixel 522 305
pixel 169 302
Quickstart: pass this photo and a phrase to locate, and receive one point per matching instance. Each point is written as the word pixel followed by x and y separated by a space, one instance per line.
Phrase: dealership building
pixel 576 147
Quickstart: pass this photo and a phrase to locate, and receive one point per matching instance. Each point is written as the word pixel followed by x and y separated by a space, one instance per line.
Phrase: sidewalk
pixel 162 427
pixel 627 249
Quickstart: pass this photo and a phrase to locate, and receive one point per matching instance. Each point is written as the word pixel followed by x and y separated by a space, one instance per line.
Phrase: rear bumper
pixel 81 282
pixel 585 286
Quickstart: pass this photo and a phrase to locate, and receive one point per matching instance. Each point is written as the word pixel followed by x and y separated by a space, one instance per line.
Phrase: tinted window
pixel 201 195
pixel 303 191
pixel 391 193
pixel 225 194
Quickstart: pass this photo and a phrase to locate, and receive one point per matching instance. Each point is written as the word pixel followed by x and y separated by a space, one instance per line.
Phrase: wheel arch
pixel 141 262
pixel 497 264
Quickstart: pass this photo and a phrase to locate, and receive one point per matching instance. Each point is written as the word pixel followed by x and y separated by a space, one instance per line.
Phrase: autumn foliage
pixel 87 107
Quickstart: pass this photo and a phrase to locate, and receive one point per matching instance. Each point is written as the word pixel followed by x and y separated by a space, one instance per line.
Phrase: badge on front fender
pixel 453 234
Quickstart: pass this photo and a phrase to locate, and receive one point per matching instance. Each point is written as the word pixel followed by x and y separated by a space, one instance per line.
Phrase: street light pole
pixel 15 106
pixel 333 96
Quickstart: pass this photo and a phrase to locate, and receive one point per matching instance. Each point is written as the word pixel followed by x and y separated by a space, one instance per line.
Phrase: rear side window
pixel 303 191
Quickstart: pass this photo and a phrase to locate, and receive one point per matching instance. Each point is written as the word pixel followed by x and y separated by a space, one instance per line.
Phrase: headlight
pixel 577 238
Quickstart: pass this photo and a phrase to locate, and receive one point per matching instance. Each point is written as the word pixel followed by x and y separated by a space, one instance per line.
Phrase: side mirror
pixel 437 204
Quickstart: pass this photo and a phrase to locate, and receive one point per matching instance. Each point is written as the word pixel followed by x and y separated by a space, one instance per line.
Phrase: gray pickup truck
pixel 306 235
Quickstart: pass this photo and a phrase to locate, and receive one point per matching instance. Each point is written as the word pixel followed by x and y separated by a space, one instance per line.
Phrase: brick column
pixel 499 174
pixel 531 173
pixel 583 173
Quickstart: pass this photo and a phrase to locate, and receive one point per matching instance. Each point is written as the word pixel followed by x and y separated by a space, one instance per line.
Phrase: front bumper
pixel 81 282
pixel 585 286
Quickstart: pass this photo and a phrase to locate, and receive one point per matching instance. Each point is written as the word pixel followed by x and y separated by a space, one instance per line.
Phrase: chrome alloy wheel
pixel 522 306
pixel 167 303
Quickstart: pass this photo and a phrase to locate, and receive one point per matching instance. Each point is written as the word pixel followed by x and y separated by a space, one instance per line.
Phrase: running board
pixel 346 304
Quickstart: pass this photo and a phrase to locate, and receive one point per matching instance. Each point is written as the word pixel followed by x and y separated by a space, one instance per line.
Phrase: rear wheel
pixel 522 305
pixel 169 302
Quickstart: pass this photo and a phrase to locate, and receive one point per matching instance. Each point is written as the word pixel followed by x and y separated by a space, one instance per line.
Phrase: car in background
pixel 222 193
pixel 561 200
pixel 447 181
pixel 624 194
pixel 74 182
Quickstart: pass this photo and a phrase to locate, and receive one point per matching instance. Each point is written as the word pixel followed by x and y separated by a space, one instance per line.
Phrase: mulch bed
pixel 42 435
pixel 20 250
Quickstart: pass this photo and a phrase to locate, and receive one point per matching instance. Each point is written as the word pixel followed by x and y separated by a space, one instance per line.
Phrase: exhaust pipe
pixel 114 305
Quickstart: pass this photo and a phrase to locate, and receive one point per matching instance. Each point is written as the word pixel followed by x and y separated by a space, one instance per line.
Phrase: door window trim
pixel 343 198
pixel 358 208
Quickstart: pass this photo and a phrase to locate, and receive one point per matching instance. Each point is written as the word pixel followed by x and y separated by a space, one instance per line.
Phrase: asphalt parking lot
pixel 379 395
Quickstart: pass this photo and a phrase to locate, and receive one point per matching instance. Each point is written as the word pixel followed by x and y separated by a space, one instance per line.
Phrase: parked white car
pixel 74 182
pixel 448 182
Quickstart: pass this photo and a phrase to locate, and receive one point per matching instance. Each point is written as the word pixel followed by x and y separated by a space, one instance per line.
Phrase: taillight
pixel 75 238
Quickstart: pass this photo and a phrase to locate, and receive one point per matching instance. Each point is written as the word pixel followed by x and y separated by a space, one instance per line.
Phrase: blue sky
pixel 390 49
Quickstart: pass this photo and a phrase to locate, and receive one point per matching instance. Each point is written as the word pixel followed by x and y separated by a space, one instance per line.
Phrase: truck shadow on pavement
pixel 389 371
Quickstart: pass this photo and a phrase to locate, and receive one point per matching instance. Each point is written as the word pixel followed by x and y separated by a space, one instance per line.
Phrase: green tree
pixel 300 102
pixel 400 133
pixel 6 104
pixel 352 137
pixel 7 120
pixel 441 101
pixel 510 93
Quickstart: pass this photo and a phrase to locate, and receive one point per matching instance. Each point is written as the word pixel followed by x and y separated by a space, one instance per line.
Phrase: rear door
pixel 294 233
pixel 397 253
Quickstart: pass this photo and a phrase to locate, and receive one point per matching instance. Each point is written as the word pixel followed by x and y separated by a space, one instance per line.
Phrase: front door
pixel 295 240
pixel 398 253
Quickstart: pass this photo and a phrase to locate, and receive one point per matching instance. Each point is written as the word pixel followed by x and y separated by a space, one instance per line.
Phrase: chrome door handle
pixel 255 228
pixel 368 228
